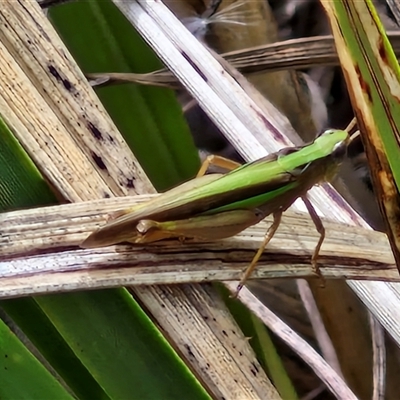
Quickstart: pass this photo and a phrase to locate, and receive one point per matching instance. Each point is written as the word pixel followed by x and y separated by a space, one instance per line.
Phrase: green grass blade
pixel 14 163
pixel 262 345
pixel 22 376
pixel 380 75
pixel 149 118
pixel 373 79
pixel 144 358
pixel 31 319
pixel 271 360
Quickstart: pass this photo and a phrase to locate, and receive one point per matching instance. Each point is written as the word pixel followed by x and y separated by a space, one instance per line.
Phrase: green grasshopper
pixel 217 206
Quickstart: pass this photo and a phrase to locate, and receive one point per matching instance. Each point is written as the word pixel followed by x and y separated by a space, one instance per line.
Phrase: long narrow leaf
pixel 372 74
pixel 22 376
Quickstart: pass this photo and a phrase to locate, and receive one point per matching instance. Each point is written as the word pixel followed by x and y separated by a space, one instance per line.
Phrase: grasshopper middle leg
pixel 268 236
pixel 217 161
pixel 321 230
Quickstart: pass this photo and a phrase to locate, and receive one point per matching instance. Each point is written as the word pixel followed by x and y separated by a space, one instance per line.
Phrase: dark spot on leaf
pixel 110 138
pixel 48 3
pixel 190 61
pixel 255 367
pixel 95 131
pixel 364 85
pixel 189 351
pixel 224 332
pixel 66 83
pixel 382 51
pixel 130 183
pixel 99 161
pixel 106 195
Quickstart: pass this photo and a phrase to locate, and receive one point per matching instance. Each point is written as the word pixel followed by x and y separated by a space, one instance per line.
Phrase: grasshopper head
pixel 335 143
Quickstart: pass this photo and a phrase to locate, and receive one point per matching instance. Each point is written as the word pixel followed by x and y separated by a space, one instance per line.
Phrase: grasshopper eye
pixel 327 132
pixel 339 151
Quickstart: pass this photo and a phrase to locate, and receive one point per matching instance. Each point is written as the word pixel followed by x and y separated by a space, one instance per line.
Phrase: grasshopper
pixel 217 206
